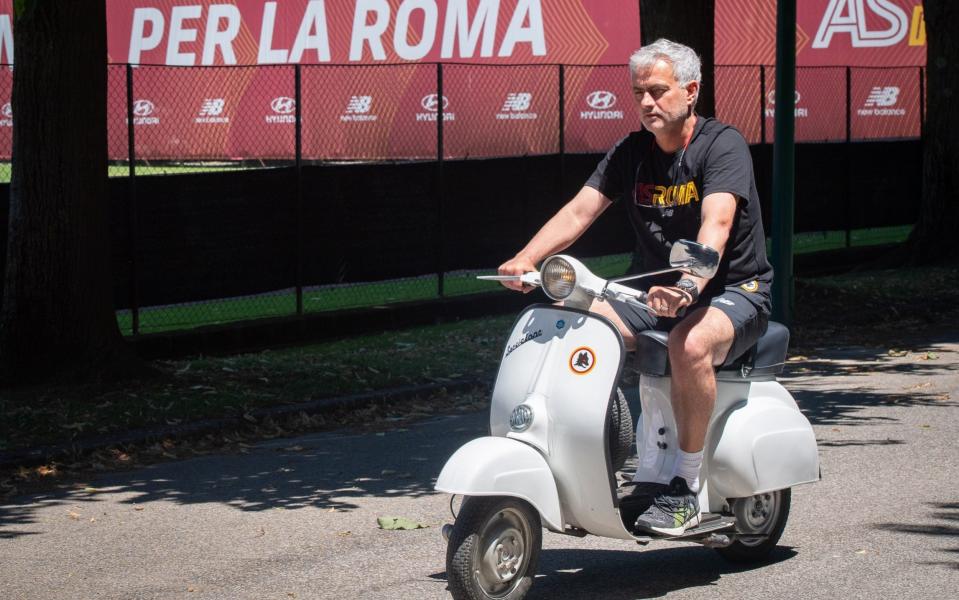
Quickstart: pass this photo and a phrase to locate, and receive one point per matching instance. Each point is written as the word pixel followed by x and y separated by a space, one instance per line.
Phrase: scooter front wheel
pixel 760 521
pixel 493 549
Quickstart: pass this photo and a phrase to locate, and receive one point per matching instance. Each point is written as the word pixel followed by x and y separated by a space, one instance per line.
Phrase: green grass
pixel 381 293
pixel 115 170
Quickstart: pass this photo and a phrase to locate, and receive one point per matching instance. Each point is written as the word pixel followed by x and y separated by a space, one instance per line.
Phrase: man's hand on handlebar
pixel 667 301
pixel 517 265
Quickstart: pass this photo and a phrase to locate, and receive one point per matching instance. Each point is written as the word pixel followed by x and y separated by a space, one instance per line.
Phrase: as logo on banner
pixel 431 103
pixel 854 17
pixel 211 110
pixel 516 106
pixel 143 113
pixel 800 112
pixel 601 101
pixel 880 103
pixel 6 120
pixel 283 108
pixel 358 108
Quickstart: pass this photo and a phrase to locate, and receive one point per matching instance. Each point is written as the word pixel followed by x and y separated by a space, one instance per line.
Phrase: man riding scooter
pixel 683 176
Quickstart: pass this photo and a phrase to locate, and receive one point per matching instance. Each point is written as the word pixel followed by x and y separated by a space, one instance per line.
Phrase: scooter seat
pixel 762 361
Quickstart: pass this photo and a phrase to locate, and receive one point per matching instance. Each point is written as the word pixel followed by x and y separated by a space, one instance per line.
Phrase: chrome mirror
pixel 694 258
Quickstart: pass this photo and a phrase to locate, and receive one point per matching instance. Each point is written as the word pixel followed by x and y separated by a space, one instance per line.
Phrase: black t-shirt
pixel 664 194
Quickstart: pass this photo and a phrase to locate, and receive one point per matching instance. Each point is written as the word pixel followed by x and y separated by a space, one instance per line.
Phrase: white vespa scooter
pixel 560 429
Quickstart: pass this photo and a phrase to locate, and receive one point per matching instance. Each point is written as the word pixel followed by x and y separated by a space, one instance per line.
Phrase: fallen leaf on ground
pixel 398 523
pixel 344 533
pixel 796 358
pixel 928 356
pixel 73 515
pixel 897 353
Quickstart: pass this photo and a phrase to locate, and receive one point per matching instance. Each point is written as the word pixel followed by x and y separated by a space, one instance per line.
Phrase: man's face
pixel 663 103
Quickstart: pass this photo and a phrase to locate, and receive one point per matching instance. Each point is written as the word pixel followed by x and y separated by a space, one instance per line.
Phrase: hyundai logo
pixel 431 104
pixel 8 110
pixel 601 100
pixel 771 97
pixel 283 105
pixel 142 108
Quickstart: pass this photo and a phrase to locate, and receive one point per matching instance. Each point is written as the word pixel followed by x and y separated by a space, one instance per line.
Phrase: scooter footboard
pixel 497 466
pixel 765 446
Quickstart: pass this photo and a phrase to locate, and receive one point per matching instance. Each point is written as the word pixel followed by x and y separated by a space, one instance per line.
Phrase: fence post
pixel 440 184
pixel 762 104
pixel 562 131
pixel 848 153
pixel 132 208
pixel 298 210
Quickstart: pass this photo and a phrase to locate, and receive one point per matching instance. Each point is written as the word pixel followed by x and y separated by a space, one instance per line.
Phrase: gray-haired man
pixel 683 177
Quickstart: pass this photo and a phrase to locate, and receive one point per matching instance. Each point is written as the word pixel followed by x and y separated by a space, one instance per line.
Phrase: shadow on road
pixel 324 471
pixel 581 574
pixel 945 527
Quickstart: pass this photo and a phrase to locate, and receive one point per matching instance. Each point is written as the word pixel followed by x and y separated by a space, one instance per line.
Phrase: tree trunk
pixel 690 22
pixel 58 321
pixel 933 238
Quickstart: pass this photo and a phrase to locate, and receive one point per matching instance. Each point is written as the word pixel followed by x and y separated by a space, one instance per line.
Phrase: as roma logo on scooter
pixel 582 360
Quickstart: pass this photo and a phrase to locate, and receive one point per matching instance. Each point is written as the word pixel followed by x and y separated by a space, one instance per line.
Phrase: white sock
pixel 687 466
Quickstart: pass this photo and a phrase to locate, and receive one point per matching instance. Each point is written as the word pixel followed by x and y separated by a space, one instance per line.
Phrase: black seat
pixel 765 359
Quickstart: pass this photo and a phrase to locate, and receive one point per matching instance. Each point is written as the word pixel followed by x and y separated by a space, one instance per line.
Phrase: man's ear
pixel 692 90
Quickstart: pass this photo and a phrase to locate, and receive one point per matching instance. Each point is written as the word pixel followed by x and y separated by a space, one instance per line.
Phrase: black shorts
pixel 748 307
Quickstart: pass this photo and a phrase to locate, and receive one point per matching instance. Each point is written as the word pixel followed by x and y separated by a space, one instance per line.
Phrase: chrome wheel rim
pixel 756 517
pixel 504 548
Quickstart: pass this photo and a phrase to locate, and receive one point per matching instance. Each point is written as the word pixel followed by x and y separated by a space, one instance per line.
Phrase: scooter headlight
pixel 521 418
pixel 558 278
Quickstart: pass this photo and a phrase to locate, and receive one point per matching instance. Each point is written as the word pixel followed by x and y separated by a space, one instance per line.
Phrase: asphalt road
pixel 297 518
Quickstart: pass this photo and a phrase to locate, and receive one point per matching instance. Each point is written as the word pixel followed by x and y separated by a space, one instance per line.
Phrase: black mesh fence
pixel 250 192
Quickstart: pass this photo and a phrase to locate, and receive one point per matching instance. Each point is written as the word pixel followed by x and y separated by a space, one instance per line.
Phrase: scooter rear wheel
pixel 493 549
pixel 764 516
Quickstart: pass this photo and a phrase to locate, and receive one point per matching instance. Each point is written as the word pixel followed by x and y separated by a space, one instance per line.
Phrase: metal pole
pixel 440 183
pixel 298 128
pixel 848 199
pixel 762 104
pixel 132 208
pixel 784 155
pixel 562 130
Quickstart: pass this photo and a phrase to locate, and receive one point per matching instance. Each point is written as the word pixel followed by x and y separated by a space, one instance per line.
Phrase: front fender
pixel 497 466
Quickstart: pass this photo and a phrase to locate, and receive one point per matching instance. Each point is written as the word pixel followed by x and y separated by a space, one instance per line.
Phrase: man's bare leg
pixel 696 345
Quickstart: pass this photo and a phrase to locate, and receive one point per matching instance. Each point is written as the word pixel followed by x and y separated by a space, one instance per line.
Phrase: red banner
pixel 837 33
pixel 254 32
pixel 882 43
pixel 366 93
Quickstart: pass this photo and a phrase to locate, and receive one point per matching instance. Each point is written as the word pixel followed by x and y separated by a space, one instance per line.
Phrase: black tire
pixel 620 431
pixel 769 529
pixel 483 527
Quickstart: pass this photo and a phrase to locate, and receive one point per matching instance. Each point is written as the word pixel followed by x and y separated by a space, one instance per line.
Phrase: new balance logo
pixel 358 109
pixel 211 111
pixel 881 102
pixel 517 106
pixel 359 105
pixel 517 102
pixel 212 107
pixel 883 96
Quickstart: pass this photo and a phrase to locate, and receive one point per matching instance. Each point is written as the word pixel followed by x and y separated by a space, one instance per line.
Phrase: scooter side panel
pixel 564 364
pixel 497 466
pixel 766 445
